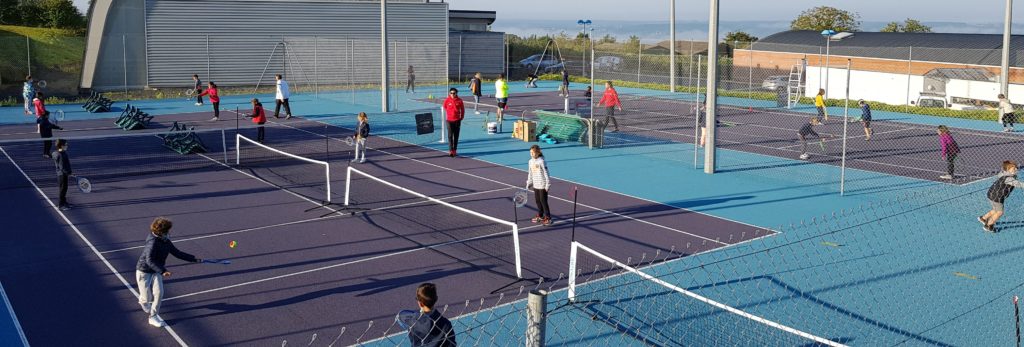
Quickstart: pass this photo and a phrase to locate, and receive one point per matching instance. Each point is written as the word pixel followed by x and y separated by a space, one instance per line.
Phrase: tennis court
pixel 896 148
pixel 299 266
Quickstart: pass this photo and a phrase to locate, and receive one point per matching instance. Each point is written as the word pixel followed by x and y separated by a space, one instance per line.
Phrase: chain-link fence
pixel 837 279
pixel 56 60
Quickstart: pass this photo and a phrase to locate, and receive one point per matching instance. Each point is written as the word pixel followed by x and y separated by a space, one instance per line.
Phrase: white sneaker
pixel 288 117
pixel 362 161
pixel 477 112
pixel 199 104
pixel 354 161
pixel 157 322
pixel 214 119
pixel 145 307
pixel 946 177
pixel 805 156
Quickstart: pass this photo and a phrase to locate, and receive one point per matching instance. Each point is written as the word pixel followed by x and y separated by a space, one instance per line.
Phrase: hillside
pixel 56 56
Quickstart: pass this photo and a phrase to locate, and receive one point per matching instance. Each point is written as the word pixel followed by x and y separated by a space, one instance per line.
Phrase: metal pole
pixel 384 97
pixel 639 59
pixel 592 86
pixel 28 54
pixel 1004 73
pixel 709 145
pixel 316 71
pixel 750 70
pixel 352 70
pixel 537 307
pixel 828 45
pixel 689 69
pixel 910 64
pixel 506 54
pixel 696 117
pixel 460 57
pixel 394 63
pixel 821 71
pixel 209 76
pixel 846 117
pixel 672 46
pixel 124 62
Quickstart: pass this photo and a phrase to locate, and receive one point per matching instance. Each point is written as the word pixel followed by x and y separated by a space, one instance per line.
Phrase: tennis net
pixel 656 312
pixel 307 177
pixel 468 236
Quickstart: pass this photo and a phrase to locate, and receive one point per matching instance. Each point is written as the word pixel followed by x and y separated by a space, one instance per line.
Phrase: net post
pixel 327 169
pixel 515 243
pixel 348 184
pixel 573 250
pixel 224 144
pixel 238 153
pixel 444 123
pixel 537 307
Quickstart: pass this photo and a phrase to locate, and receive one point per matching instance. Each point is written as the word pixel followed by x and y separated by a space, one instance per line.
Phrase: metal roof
pixel 975 49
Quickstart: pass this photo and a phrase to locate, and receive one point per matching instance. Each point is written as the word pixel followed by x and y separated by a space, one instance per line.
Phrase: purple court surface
pixel 298 269
pixel 896 148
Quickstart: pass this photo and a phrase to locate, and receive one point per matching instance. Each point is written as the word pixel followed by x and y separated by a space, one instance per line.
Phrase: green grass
pixel 56 56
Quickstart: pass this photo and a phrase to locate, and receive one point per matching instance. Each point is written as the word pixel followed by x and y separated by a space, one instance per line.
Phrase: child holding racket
pixel 501 93
pixel 28 91
pixel 63 163
pixel 362 132
pixel 151 268
pixel 45 130
pixel 474 87
pixel 40 103
pixel 211 90
pixel 540 181
pixel 865 119
pixel 198 87
pixel 819 102
pixel 610 100
pixel 259 116
pixel 998 192
pixel 804 132
pixel 431 328
pixel 949 150
pixel 1006 116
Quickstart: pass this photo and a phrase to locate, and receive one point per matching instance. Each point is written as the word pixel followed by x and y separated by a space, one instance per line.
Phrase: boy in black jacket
pixel 150 269
pixel 431 328
pixel 63 163
pixel 997 194
pixel 45 130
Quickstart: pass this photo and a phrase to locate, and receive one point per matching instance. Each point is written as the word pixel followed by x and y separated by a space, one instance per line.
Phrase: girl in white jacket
pixel 539 180
pixel 1006 116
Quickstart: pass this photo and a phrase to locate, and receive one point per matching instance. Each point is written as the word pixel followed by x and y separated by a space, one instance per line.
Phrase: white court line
pixel 306 220
pixel 509 185
pixel 363 260
pixel 14 317
pixel 87 242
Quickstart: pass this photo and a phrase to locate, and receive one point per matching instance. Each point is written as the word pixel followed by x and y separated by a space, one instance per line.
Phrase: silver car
pixel 775 82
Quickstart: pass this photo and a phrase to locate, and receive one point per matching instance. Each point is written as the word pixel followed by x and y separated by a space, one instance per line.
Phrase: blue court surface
pixel 898 258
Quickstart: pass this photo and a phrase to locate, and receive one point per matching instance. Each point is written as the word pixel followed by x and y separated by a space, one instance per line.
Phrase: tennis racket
pixel 83 184
pixel 190 94
pixel 822 144
pixel 407 318
pixel 42 84
pixel 350 141
pixel 520 197
pixel 216 261
pixel 59 116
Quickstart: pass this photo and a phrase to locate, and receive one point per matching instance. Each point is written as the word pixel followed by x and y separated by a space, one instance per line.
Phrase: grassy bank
pixel 54 55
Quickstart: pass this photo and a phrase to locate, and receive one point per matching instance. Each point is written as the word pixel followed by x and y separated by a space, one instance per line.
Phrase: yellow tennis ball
pixel 232 244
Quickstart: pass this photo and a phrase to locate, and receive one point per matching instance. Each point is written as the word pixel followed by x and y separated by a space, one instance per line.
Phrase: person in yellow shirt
pixel 819 102
pixel 501 93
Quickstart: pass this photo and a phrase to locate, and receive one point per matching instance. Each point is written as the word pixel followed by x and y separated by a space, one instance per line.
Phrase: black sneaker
pixel 982 220
pixel 990 229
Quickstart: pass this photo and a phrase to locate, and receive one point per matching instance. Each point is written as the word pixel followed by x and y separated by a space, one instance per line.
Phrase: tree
pixel 634 43
pixel 824 18
pixel 61 14
pixel 908 26
pixel 608 38
pixel 741 39
pixel 31 13
pixel 9 14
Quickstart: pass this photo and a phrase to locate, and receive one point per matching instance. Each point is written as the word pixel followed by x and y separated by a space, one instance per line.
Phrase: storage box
pixel 525 130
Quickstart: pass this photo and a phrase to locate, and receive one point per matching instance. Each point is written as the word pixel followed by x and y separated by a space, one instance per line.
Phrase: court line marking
pixel 14 317
pixel 363 260
pixel 513 186
pixel 304 220
pixel 87 242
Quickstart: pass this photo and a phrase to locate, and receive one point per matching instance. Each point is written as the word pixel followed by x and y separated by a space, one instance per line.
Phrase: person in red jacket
pixel 211 91
pixel 259 117
pixel 610 100
pixel 39 103
pixel 455 111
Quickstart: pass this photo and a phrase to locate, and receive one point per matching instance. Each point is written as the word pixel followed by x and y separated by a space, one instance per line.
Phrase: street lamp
pixel 584 23
pixel 827 33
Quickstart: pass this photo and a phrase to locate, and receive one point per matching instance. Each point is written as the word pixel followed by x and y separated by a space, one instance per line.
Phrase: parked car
pixel 607 63
pixel 535 60
pixel 775 82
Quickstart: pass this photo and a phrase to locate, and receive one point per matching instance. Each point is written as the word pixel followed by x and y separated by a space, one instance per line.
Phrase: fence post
pixel 639 60
pixel 316 71
pixel 537 307
pixel 750 70
pixel 28 53
pixel 460 58
pixel 209 76
pixel 124 62
pixel 910 64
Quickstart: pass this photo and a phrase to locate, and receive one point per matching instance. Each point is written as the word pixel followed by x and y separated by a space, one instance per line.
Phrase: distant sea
pixel 651 32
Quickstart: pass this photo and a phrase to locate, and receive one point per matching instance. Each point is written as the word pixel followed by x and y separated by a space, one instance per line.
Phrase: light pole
pixel 584 23
pixel 828 40
pixel 1004 72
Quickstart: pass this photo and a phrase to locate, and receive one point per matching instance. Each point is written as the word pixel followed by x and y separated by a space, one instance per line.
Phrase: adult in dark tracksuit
pixel 455 111
pixel 63 163
pixel 151 268
pixel 45 130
